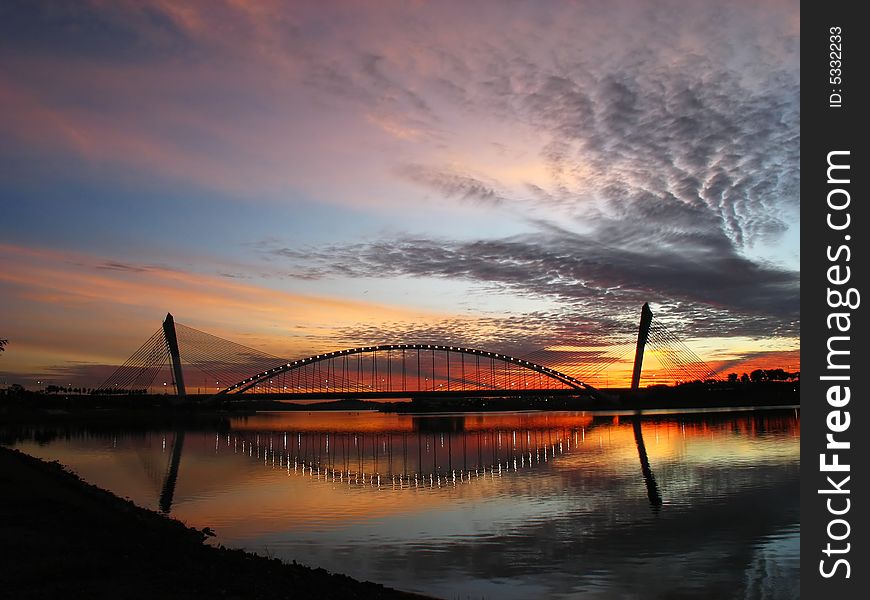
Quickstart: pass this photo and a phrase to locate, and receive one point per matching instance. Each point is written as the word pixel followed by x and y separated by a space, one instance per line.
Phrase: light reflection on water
pixel 561 505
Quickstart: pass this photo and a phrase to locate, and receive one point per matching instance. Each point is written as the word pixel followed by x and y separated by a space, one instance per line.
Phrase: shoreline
pixel 62 535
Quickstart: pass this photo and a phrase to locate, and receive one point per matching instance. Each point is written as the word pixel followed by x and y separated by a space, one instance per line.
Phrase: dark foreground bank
pixel 62 536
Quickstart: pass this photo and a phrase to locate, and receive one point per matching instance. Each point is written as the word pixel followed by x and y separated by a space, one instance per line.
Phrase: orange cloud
pixel 63 305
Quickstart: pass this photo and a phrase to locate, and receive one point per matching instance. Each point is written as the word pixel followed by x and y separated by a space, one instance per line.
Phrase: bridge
pixel 417 370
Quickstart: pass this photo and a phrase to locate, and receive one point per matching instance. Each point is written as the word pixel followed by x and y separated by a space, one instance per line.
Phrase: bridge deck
pixel 314 395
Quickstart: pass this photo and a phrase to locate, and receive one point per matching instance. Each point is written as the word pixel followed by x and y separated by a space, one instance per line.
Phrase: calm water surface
pixel 529 505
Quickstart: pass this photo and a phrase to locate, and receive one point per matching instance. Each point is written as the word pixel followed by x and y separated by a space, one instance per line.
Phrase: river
pixel 582 505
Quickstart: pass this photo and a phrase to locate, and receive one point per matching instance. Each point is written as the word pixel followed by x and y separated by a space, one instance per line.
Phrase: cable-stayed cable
pixel 139 371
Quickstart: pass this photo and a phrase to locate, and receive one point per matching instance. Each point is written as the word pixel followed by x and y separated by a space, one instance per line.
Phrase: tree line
pixel 759 375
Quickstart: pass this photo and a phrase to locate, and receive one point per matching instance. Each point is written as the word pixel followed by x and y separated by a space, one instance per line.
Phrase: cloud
pixel 708 114
pixel 671 160
pixel 450 184
pixel 106 313
pixel 746 362
pixel 703 285
pixel 699 137
pixel 116 266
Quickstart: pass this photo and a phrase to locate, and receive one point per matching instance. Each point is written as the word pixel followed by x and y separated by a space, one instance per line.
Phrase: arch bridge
pixel 399 370
pixel 224 368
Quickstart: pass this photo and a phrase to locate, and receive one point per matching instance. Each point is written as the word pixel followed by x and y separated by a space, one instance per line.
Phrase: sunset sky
pixel 307 176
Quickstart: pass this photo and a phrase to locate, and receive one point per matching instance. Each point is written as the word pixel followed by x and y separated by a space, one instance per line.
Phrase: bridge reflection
pixel 390 451
pixel 405 460
pixel 167 491
pixel 415 452
pixel 652 487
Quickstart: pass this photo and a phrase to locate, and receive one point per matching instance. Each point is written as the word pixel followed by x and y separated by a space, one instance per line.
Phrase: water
pixel 529 505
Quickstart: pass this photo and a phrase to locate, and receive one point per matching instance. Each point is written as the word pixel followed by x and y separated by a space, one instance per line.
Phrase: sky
pixel 307 176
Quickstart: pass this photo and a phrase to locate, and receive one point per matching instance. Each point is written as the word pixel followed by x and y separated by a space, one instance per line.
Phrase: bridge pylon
pixel 642 337
pixel 174 355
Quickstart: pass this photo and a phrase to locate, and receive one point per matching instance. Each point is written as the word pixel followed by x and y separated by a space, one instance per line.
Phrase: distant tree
pixel 777 375
pixel 3 343
pixel 758 375
pixel 732 377
pixel 744 378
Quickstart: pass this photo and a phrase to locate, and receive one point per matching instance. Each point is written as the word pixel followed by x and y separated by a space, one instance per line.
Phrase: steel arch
pixel 253 380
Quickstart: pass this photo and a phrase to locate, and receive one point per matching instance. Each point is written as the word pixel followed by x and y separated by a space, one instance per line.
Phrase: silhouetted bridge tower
pixel 675 358
pixel 642 337
pixel 375 371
